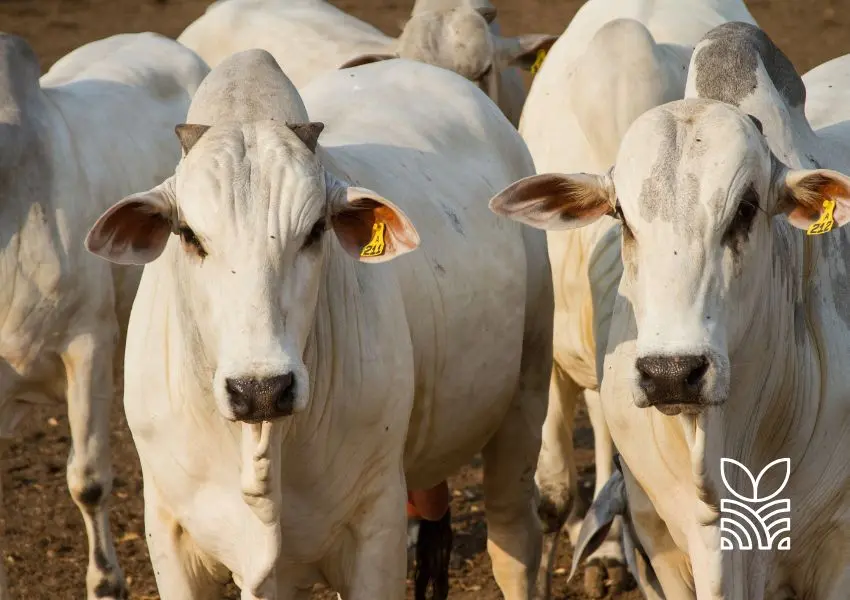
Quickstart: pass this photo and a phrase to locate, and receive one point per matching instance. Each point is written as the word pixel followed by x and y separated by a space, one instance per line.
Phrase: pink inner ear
pixel 353 228
pixel 841 214
pixel 131 228
pixel 803 216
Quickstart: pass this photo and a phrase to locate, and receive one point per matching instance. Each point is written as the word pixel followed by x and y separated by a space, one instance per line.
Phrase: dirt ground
pixel 45 547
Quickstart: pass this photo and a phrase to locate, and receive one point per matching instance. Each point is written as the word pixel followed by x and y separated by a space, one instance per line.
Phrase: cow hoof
pixel 551 515
pixel 606 576
pixel 110 588
pixel 619 578
pixel 594 579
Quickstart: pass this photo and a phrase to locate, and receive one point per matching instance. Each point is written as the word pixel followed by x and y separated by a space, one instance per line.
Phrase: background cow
pixel 99 123
pixel 309 37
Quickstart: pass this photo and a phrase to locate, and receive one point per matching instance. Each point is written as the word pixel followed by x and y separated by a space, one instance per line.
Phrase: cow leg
pixel 556 476
pixel 373 566
pixel 88 364
pixel 178 565
pixel 4 585
pixel 514 533
pixel 668 563
pixel 606 563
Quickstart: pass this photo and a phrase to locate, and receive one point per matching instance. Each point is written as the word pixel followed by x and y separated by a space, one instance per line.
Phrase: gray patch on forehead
pixel 726 67
pixel 668 193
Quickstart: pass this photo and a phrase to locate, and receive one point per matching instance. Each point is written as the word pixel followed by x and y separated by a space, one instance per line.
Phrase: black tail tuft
pixel 433 551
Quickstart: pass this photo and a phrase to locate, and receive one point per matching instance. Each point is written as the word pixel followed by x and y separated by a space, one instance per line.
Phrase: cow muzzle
pixel 675 384
pixel 257 399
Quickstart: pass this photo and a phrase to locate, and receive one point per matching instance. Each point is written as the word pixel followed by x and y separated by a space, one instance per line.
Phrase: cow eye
pixel 618 213
pixel 191 241
pixel 484 73
pixel 746 212
pixel 747 209
pixel 315 233
pixel 742 223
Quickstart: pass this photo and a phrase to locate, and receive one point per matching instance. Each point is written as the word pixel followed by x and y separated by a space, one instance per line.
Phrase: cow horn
pixel 308 133
pixel 189 134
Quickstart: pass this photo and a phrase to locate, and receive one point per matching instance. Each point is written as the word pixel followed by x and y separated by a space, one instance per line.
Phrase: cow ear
pixel 488 12
pixel 526 50
pixel 370 228
pixel 365 59
pixel 553 201
pixel 815 200
pixel 135 230
pixel 609 503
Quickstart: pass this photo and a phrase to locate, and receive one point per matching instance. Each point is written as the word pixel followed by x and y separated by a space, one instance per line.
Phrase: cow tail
pixel 433 551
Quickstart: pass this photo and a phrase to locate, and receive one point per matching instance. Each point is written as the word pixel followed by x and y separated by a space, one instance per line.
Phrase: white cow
pixel 309 37
pixel 99 123
pixel 729 332
pixel 282 390
pixel 510 86
pixel 615 61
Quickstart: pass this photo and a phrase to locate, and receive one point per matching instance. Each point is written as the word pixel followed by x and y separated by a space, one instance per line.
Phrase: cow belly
pixel 467 322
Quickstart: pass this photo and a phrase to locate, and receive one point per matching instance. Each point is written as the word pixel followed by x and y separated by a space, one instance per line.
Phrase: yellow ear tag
pixel 538 62
pixel 826 221
pixel 376 246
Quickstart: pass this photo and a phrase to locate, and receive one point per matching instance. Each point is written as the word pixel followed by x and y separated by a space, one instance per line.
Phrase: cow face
pixel 460 40
pixel 249 215
pixel 695 187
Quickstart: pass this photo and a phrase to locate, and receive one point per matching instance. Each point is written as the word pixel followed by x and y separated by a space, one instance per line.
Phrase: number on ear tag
pixel 826 221
pixel 376 246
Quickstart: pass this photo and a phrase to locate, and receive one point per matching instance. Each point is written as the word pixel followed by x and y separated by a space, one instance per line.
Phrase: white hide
pixel 715 193
pixel 309 37
pixel 614 61
pixel 98 124
pixel 413 365
pixel 511 88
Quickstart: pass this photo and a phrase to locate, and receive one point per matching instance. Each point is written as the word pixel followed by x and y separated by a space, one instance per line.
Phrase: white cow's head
pixel 252 212
pixel 460 40
pixel 696 188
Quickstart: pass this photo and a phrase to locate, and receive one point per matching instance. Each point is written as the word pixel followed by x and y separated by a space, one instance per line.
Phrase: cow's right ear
pixel 553 201
pixel 135 230
pixel 365 59
pixel 609 503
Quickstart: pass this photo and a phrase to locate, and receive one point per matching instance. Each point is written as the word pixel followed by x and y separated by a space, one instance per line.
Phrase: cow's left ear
pixel 135 230
pixel 369 227
pixel 365 59
pixel 553 201
pixel 523 51
pixel 815 200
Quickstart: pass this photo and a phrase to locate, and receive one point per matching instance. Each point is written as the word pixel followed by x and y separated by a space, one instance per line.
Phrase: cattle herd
pixel 332 266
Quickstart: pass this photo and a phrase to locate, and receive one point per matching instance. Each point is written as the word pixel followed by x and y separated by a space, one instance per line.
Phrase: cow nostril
pixel 284 386
pixel 647 369
pixel 240 402
pixel 696 375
